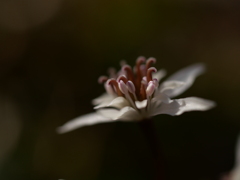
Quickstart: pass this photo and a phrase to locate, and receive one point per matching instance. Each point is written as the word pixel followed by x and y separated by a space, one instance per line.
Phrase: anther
pixel 123 88
pixel 149 73
pixel 102 79
pixel 150 89
pixel 129 72
pixel 131 87
pixel 109 89
pixel 114 83
pixel 144 80
pixel 123 78
pixel 150 61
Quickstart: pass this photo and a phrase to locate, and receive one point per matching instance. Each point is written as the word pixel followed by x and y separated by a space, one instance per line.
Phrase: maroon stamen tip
pixel 143 69
pixel 149 73
pixel 140 60
pixel 128 71
pixel 112 72
pixel 122 78
pixel 123 62
pixel 142 92
pixel 150 61
pixel 102 79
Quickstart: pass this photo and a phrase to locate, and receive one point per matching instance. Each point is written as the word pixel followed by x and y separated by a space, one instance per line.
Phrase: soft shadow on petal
pixel 159 74
pixel 171 109
pixel 168 86
pixel 128 114
pixel 194 104
pixel 104 98
pixel 118 102
pixel 125 114
pixel 186 75
pixel 179 106
pixel 85 120
pixel 109 113
pixel 161 97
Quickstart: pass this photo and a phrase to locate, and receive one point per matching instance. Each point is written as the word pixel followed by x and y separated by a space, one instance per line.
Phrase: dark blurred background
pixel 51 55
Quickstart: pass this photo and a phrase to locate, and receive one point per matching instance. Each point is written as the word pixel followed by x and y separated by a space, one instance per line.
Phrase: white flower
pixel 134 95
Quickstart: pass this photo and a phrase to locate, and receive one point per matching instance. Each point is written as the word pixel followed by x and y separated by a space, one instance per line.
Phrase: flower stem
pixel 148 129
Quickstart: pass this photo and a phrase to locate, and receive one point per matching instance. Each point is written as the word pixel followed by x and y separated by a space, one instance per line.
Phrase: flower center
pixel 134 84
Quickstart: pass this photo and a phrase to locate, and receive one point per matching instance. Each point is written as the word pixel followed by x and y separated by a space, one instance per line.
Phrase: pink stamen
pixel 122 63
pixel 102 79
pixel 155 82
pixel 114 83
pixel 109 89
pixel 129 72
pixel 123 88
pixel 143 69
pixel 150 61
pixel 142 92
pixel 144 80
pixel 150 89
pixel 139 75
pixel 112 72
pixel 122 78
pixel 131 87
pixel 149 73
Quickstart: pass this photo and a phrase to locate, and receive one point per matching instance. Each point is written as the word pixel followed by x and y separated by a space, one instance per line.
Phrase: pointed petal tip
pixel 200 68
pixel 61 130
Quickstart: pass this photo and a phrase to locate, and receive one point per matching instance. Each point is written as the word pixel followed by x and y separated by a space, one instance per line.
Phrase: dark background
pixel 51 55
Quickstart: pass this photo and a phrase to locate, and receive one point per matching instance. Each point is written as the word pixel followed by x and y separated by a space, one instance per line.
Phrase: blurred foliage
pixel 51 54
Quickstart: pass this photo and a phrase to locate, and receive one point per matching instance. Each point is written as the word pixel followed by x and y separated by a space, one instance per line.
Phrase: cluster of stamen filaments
pixel 134 84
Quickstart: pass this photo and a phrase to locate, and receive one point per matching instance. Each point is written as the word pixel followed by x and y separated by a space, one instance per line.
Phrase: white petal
pixel 141 104
pixel 179 106
pixel 159 74
pixel 194 104
pixel 118 102
pixel 125 114
pixel 108 112
pixel 168 86
pixel 165 108
pixel 103 98
pixel 162 97
pixel 85 120
pixel 186 75
pixel 128 114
